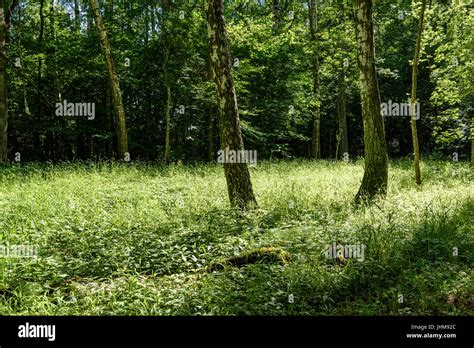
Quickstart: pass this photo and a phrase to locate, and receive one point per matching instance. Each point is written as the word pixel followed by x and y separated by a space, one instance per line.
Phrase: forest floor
pixel 138 239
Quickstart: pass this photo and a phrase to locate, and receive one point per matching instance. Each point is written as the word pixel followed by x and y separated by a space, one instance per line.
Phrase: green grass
pixel 138 239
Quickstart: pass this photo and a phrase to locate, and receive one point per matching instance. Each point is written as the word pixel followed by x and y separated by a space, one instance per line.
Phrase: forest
pixel 236 157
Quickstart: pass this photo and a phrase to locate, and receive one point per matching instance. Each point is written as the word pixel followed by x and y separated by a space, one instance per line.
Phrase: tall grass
pixel 136 239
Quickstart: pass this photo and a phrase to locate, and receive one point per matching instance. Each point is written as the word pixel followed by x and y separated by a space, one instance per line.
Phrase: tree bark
pixel 472 146
pixel 375 177
pixel 166 7
pixel 210 117
pixel 3 88
pixel 239 184
pixel 414 134
pixel 4 22
pixel 114 82
pixel 168 119
pixel 342 146
pixel 210 135
pixel 313 28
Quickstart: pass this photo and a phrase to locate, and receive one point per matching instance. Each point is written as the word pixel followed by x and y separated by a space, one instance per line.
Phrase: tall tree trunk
pixel 58 138
pixel 4 22
pixel 18 32
pixel 313 28
pixel 210 134
pixel 472 146
pixel 166 8
pixel 210 118
pixel 57 88
pixel 37 133
pixel 375 177
pixel 342 146
pixel 3 88
pixel 239 185
pixel 114 82
pixel 414 134
pixel 168 119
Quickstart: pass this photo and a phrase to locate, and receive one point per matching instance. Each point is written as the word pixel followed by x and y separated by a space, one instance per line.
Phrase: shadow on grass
pixel 421 277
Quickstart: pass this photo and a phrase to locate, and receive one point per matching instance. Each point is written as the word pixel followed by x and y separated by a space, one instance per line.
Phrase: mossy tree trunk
pixel 414 133
pixel 375 177
pixel 237 175
pixel 342 145
pixel 167 118
pixel 3 88
pixel 4 22
pixel 166 7
pixel 313 29
pixel 114 81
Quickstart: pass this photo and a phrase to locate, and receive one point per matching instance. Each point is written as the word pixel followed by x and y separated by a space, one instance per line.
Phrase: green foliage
pixel 272 69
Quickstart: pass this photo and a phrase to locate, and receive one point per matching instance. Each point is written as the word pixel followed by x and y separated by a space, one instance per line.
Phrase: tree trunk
pixel 342 146
pixel 38 144
pixel 166 7
pixel 237 175
pixel 18 33
pixel 210 135
pixel 210 118
pixel 3 88
pixel 313 28
pixel 342 138
pixel 168 119
pixel 4 22
pixel 114 82
pixel 375 177
pixel 472 146
pixel 414 134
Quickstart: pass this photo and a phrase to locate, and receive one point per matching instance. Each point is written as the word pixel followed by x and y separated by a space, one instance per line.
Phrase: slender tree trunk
pixel 114 82
pixel 3 88
pixel 37 134
pixel 342 146
pixel 166 6
pixel 57 88
pixel 210 119
pixel 375 177
pixel 58 138
pixel 313 27
pixel 168 119
pixel 20 56
pixel 342 138
pixel 147 23
pixel 414 134
pixel 4 22
pixel 472 146
pixel 237 175
pixel 210 135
